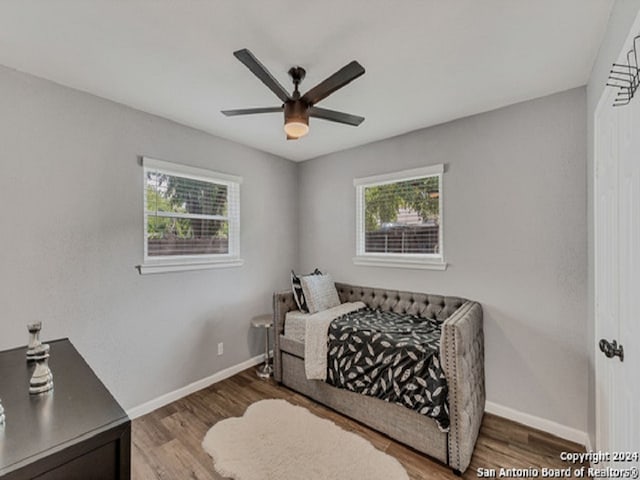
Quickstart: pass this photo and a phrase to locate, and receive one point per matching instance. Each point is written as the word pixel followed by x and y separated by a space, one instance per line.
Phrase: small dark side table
pixel 77 431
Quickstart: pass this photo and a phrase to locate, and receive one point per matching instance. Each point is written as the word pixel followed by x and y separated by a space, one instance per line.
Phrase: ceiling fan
pixel 298 108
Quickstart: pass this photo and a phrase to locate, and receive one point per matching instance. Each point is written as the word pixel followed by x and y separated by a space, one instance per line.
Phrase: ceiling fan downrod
pixel 297 74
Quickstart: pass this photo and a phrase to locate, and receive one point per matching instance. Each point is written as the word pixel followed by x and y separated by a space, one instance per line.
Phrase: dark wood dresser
pixel 76 432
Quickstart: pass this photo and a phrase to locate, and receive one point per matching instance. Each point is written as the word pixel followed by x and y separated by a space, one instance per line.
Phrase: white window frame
pixel 432 261
pixel 177 263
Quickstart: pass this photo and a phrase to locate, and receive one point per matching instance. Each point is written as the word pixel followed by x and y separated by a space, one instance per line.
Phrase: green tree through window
pixel 185 215
pixel 383 202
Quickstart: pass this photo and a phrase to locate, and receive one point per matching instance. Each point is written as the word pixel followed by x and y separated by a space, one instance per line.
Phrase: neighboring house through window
pixel 399 219
pixel 191 218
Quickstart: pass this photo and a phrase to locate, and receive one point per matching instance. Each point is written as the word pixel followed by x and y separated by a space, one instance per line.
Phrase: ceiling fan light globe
pixel 296 128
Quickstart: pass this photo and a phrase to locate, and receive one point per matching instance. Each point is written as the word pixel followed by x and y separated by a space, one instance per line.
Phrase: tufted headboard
pixel 433 307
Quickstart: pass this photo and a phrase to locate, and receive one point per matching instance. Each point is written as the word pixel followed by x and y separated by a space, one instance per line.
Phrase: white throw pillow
pixel 319 292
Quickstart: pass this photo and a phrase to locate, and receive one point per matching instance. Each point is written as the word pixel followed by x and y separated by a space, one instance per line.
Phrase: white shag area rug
pixel 277 440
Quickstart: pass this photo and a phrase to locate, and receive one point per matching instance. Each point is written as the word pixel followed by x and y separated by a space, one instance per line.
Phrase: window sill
pixel 151 268
pixel 400 262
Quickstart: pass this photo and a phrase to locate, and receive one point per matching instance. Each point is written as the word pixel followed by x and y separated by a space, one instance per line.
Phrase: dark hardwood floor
pixel 166 442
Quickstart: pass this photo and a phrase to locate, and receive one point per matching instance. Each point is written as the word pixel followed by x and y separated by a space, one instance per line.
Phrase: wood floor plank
pixel 166 443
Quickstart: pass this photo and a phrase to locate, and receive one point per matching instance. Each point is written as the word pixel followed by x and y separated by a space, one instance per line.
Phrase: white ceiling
pixel 427 61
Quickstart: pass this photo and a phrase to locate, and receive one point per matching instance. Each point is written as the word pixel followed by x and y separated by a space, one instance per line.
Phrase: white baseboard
pixel 539 423
pixel 167 398
pixel 588 447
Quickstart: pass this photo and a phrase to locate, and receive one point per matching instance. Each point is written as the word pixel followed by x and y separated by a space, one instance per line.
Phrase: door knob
pixel 611 349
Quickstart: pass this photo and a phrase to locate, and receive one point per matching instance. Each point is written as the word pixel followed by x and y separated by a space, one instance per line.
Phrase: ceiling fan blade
pixel 259 70
pixel 334 116
pixel 251 111
pixel 338 80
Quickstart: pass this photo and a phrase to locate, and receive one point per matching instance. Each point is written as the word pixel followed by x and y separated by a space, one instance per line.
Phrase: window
pixel 399 219
pixel 191 218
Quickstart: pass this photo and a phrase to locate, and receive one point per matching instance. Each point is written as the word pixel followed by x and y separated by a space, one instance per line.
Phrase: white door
pixel 617 275
pixel 629 322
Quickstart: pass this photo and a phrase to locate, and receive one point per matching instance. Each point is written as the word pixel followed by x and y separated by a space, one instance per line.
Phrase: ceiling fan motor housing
pixel 296 119
pixel 296 110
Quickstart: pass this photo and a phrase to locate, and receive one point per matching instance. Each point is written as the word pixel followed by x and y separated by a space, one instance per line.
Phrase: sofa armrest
pixel 283 302
pixel 462 355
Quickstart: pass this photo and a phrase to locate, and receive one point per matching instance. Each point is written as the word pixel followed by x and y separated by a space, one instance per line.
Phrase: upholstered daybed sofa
pixel 461 355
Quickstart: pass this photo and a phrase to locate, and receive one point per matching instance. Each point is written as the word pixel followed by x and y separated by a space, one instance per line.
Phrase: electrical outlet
pixel 220 348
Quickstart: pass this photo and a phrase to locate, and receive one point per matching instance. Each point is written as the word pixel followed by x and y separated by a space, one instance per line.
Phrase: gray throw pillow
pixel 319 292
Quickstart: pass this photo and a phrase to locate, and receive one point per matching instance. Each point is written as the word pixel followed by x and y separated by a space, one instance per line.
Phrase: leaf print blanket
pixel 391 356
pixel 315 342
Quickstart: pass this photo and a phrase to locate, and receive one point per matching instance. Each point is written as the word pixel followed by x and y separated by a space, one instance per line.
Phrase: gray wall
pixel 623 15
pixel 71 223
pixel 515 239
pixel 73 233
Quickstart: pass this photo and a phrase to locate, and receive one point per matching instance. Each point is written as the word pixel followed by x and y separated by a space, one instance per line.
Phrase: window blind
pixel 190 216
pixel 400 216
